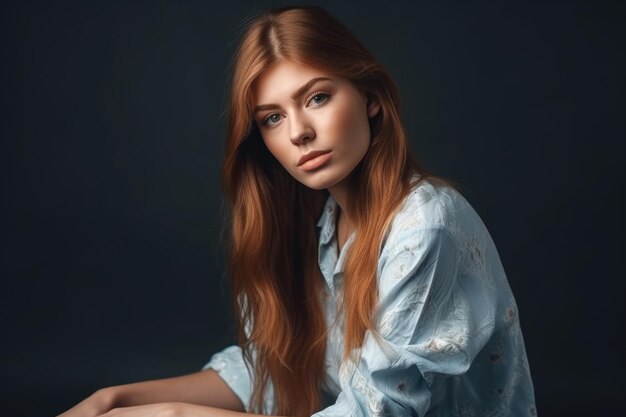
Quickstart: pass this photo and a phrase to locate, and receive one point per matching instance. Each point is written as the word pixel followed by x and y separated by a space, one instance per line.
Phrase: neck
pixel 341 194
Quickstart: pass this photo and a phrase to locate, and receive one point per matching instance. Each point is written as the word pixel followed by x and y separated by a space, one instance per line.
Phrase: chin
pixel 319 182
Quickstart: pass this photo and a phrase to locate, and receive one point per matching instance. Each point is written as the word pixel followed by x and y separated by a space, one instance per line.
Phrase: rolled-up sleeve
pixel 230 365
pixel 431 320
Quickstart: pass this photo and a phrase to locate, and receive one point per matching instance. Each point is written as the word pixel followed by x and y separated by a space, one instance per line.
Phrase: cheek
pixel 347 124
pixel 280 152
pixel 271 143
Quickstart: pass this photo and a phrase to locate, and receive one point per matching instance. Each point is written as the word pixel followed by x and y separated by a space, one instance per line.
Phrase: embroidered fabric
pixel 450 340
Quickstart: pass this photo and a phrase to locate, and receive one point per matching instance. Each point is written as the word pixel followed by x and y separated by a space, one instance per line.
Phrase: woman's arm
pixel 175 410
pixel 205 388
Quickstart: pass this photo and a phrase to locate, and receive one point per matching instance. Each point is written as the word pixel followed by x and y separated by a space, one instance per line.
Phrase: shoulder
pixel 436 210
pixel 430 205
pixel 421 238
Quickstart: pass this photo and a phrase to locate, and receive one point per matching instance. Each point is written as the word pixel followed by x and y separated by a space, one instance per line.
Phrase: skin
pixel 200 394
pixel 329 115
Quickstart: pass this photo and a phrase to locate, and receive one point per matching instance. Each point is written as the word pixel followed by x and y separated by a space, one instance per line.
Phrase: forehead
pixel 279 81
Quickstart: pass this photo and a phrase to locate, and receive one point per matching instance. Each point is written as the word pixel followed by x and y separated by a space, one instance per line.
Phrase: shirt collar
pixel 327 221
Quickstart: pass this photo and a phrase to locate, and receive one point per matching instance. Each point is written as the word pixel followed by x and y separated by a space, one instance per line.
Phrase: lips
pixel 310 156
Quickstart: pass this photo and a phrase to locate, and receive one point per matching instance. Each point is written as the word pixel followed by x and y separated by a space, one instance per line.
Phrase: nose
pixel 301 130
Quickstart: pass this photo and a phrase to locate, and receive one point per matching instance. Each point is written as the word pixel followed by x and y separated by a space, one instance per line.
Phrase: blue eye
pixel 271 119
pixel 318 98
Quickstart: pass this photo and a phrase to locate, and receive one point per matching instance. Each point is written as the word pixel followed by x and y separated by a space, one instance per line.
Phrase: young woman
pixel 363 286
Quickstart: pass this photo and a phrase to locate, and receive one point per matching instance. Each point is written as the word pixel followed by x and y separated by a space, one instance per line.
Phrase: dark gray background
pixel 111 144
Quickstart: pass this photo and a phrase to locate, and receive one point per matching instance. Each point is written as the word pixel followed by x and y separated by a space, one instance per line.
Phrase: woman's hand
pixel 95 405
pixel 198 394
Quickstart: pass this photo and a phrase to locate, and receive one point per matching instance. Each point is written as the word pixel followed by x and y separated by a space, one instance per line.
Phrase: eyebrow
pixel 297 94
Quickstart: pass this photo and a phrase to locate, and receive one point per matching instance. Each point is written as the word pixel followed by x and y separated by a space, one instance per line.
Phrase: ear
pixel 373 106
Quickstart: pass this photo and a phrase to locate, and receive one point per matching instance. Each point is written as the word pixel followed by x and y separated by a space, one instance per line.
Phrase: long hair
pixel 276 282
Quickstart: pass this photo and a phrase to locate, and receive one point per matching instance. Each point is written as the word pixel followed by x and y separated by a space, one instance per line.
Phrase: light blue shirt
pixel 450 340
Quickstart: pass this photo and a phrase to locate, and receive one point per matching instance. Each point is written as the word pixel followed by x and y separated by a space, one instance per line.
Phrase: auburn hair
pixel 277 285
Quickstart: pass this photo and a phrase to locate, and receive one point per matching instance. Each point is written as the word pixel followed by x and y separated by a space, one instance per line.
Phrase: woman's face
pixel 315 124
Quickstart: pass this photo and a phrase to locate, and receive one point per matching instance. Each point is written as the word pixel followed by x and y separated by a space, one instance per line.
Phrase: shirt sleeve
pixel 231 367
pixel 431 321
